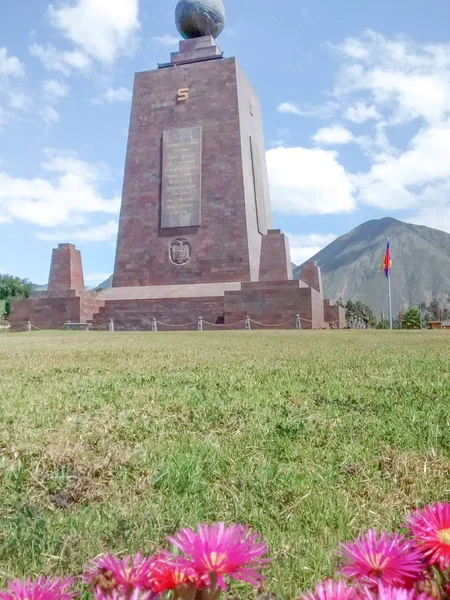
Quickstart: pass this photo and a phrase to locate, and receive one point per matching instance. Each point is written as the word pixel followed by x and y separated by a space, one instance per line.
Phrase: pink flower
pixel 109 572
pixel 390 592
pixel 121 594
pixel 430 527
pixel 387 559
pixel 49 588
pixel 234 551
pixel 168 572
pixel 331 590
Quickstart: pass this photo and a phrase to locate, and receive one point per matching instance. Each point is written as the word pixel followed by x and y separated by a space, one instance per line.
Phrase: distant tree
pixel 423 309
pixel 366 312
pixel 383 323
pixel 360 310
pixel 434 310
pixel 12 287
pixel 411 318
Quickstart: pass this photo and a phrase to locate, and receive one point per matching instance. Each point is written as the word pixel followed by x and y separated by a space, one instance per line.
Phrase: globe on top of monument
pixel 196 18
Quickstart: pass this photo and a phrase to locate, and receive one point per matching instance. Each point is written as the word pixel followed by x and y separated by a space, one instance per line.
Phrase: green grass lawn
pixel 115 440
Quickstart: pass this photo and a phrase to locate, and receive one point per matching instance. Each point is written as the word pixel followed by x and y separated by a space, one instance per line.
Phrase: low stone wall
pixel 276 303
pixel 138 315
pixel 334 315
pixel 45 312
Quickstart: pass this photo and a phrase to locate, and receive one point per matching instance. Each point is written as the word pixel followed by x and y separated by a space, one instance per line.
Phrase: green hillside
pixel 351 265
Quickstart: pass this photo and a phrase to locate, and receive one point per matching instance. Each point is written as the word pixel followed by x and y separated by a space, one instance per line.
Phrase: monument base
pixel 50 310
pixel 272 304
pixel 277 302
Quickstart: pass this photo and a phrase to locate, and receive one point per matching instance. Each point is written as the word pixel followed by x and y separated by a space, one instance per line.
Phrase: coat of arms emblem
pixel 180 251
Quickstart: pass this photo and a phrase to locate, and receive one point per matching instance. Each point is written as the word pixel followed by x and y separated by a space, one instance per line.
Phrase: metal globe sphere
pixel 196 18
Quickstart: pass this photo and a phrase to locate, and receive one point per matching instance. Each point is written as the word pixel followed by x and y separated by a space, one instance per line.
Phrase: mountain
pixel 106 284
pixel 351 265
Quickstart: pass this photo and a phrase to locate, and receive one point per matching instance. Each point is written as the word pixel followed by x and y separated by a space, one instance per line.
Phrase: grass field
pixel 115 440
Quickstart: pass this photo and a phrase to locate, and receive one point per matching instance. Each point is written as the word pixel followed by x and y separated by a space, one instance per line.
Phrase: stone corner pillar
pixel 66 271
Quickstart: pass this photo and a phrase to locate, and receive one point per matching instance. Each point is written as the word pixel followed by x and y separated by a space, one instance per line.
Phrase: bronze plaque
pixel 259 188
pixel 181 177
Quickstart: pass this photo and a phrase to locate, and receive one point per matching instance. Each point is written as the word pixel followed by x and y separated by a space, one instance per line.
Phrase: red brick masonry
pixel 275 257
pixel 334 315
pixel 66 271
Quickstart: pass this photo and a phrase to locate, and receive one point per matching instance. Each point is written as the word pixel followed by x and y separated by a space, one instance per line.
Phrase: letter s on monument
pixel 183 95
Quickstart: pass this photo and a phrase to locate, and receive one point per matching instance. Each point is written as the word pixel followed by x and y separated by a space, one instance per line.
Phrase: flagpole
pixel 390 302
pixel 389 292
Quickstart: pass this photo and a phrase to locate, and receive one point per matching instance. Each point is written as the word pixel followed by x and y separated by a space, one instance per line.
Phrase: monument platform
pixel 271 303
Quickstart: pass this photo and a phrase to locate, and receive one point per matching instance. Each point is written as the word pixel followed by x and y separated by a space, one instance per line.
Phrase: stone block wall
pixel 275 262
pixel 334 315
pixel 137 315
pixel 50 310
pixel 90 305
pixel 226 244
pixel 275 303
pixel 66 271
pixel 311 275
pixel 45 311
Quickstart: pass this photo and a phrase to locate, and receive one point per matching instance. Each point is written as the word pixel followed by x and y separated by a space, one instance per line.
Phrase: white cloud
pixel 118 95
pixel 435 210
pixel 12 71
pixel 407 82
pixel 325 111
pixel 99 233
pixel 54 89
pixel 5 116
pixel 308 181
pixel 19 100
pixel 383 83
pixel 49 115
pixel 304 247
pixel 63 62
pixel 404 78
pixel 334 135
pixel 290 107
pixel 67 196
pixel 10 66
pixel 361 112
pixel 399 182
pixel 166 40
pixel 100 28
pixel 97 277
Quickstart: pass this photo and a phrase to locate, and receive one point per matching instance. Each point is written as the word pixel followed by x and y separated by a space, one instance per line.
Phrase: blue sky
pixel 355 97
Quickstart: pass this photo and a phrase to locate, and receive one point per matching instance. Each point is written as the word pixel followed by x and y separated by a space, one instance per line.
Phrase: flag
pixel 387 262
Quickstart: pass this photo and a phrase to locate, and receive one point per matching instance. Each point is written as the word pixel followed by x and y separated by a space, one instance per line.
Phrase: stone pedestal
pixel 275 262
pixel 66 298
pixel 334 315
pixel 66 271
pixel 311 276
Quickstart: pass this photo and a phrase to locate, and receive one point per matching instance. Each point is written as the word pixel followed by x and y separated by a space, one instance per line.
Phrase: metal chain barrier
pixel 103 327
pixel 276 325
pixel 171 326
pixel 223 325
pixel 198 325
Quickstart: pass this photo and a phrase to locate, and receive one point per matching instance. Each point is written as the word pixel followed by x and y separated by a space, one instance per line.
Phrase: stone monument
pixel 195 231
